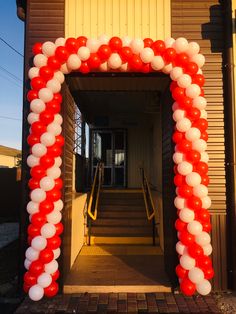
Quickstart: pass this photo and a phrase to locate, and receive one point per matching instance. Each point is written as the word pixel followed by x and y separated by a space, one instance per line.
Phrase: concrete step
pixel 121 222
pixel 128 240
pixel 121 207
pixel 121 201
pixel 122 231
pixel 122 214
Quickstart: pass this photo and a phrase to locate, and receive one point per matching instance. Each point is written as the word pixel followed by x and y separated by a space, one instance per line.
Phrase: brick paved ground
pixel 121 303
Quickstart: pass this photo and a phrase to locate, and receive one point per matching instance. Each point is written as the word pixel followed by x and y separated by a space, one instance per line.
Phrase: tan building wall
pixel 7 161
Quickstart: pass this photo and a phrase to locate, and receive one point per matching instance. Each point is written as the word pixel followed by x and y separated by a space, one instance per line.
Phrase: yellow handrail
pixel 144 179
pixel 98 175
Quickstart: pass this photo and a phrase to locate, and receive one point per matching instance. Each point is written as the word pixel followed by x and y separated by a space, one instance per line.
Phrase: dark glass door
pixel 109 147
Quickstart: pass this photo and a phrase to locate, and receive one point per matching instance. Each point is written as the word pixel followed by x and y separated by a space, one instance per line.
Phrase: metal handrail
pixel 147 194
pixel 96 181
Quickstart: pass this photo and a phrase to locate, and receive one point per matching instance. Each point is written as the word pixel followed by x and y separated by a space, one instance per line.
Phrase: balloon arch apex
pixel 182 61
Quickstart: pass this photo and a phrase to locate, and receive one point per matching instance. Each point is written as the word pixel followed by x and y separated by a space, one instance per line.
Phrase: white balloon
pixel 57 253
pixel 193 91
pixel 73 62
pixel 44 280
pixel 32 117
pixel 60 41
pixel 203 114
pixel 48 48
pixel 184 81
pixel 58 205
pixel 54 128
pixel 27 263
pixel 199 145
pixel 104 67
pixel 157 63
pixel 126 41
pixel 32 161
pixel 64 69
pixel 181 248
pixel 137 45
pixel 32 208
pixel 93 44
pixel 38 195
pixel 187 215
pixel 187 262
pixel 193 134
pixel 207 249
pixel 83 53
pixel 204 157
pixel 196 275
pixel 36 293
pixel 58 161
pixel 48 230
pixel 178 114
pixel 31 254
pixel 39 243
pixel 58 75
pixel 185 168
pixel 48 139
pixel 54 172
pixel 54 85
pixel 194 227
pixel 180 45
pixel 47 183
pixel 183 125
pixel 39 150
pixel 40 60
pixel 200 190
pixel 203 238
pixel 33 72
pixel 124 67
pixel 193 179
pixel 37 105
pixel 147 55
pixel 179 202
pixel 199 102
pixel 169 42
pixel 178 157
pixel 51 267
pixel 206 202
pixel 114 62
pixel 58 119
pixel 193 49
pixel 176 73
pixel 175 106
pixel 204 287
pixel 54 217
pixel 167 68
pixel 199 59
pixel 103 39
pixel 45 94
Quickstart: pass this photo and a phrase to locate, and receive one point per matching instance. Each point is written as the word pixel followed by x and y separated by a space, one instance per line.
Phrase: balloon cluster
pixel 182 61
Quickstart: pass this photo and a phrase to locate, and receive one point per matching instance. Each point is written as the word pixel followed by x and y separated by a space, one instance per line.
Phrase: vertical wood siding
pixel 202 21
pixel 135 18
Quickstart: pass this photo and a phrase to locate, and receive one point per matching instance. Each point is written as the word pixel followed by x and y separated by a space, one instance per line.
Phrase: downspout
pixel 230 141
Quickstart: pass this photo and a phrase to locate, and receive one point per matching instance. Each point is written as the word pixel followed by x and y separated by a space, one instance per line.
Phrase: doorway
pixel 109 147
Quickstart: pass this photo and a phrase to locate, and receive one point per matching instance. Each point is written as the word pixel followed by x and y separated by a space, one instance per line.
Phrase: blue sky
pixel 11 89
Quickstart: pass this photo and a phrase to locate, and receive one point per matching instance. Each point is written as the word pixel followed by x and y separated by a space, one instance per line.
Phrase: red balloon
pixel 26 287
pixel 147 42
pixel 187 287
pixel 46 207
pixel 46 73
pixel 62 54
pixel 53 63
pixel 72 45
pixel 201 124
pixel 37 172
pixel 54 150
pixel 37 83
pixel 205 179
pixel 178 93
pixel 202 93
pixel 203 215
pixel 84 68
pixel 158 47
pixel 33 230
pixel 46 256
pixel 191 68
pixel 194 203
pixel 53 243
pixel 46 116
pixel 51 290
pixel 204 136
pixel 38 128
pixel 181 59
pixel 53 106
pixel 59 228
pixel 47 161
pixel 173 85
pixel 185 191
pixel 38 219
pixel 36 267
pixel 184 146
pixel 32 94
pixel 30 279
pixel 57 97
pixel 202 167
pixel 185 102
pixel 186 238
pixel 181 272
pixel 206 226
pixel 195 250
pixel 177 137
pixel 94 61
pixel 115 44
pixel 208 273
pixel 175 169
pixel 55 275
pixel 33 139
pixel 82 40
pixel 29 239
pixel 60 140
pixel 204 261
pixel 58 183
pixel 193 156
pixel 180 225
pixel 169 55
pixel 37 48
pixel 54 195
pixel 193 114
pixel 179 180
pixel 146 68
pixel 104 52
pixel 126 54
pixel 135 63
pixel 198 79
pixel 33 183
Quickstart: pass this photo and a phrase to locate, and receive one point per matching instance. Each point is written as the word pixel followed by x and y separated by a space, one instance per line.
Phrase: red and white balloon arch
pixel 182 61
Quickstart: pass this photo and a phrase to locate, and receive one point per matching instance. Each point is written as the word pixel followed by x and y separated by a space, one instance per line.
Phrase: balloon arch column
pixel 183 62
